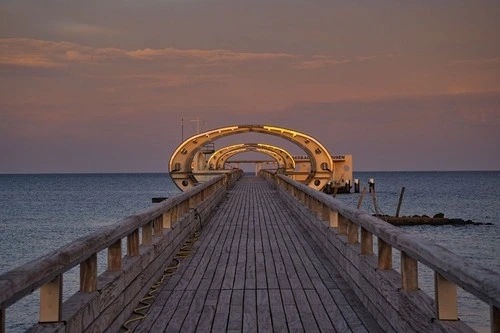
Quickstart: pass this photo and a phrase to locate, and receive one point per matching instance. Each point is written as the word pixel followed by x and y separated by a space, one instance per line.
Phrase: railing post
pixel 115 256
pixel 133 243
pixel 334 219
pixel 446 298
pixel 167 219
pixel 157 226
pixel 495 319
pixel 366 242
pixel 384 254
pixel 325 213
pixel 147 233
pixel 342 227
pixel 51 301
pixel 409 273
pixel 352 232
pixel 318 208
pixel 88 274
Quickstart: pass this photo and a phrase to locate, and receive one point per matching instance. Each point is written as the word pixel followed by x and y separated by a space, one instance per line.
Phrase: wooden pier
pixel 265 254
pixel 254 268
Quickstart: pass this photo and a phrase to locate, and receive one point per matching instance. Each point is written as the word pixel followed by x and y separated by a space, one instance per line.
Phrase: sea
pixel 41 212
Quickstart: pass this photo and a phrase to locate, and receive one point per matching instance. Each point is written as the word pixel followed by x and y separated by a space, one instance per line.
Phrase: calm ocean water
pixel 39 213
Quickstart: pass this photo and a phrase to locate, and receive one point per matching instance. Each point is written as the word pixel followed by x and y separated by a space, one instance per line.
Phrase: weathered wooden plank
pixel 208 313
pixel 305 312
pixel 277 311
pixel 180 312
pixel 235 321
pixel 291 311
pixel 222 311
pixel 249 310
pixel 264 321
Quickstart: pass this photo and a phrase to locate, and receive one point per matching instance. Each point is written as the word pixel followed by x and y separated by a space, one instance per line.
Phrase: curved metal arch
pixel 180 165
pixel 284 158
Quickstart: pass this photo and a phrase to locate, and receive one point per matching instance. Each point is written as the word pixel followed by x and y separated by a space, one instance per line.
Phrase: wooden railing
pixel 105 301
pixel 348 235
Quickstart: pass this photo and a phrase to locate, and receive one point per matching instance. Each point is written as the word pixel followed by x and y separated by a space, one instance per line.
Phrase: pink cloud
pixel 321 61
pixel 476 62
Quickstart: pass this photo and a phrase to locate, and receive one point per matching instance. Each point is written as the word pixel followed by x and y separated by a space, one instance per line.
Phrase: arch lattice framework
pixel 283 158
pixel 184 176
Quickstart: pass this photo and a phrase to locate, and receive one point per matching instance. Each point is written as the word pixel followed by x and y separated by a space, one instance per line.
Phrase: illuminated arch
pixel 284 159
pixel 180 165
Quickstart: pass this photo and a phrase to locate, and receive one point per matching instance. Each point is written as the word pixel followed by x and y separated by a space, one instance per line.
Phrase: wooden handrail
pixel 448 266
pixel 23 280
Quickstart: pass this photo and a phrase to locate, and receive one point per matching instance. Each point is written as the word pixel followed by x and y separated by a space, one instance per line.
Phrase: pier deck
pixel 252 269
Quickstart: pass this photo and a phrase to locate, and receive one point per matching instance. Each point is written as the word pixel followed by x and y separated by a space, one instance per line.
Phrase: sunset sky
pixel 102 86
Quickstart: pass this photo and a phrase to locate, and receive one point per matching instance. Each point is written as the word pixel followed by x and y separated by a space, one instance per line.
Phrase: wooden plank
pixel 305 312
pixel 222 311
pixel 264 321
pixel 277 311
pixel 291 311
pixel 209 309
pixel 180 312
pixel 235 321
pixel 318 310
pixel 250 310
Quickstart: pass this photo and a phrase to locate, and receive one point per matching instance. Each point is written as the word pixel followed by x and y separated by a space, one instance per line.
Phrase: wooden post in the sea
pixel 371 185
pixel 400 201
pixel 361 197
pixel 356 185
pixel 374 198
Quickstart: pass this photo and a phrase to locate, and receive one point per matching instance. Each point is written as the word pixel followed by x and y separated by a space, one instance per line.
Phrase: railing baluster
pixel 157 226
pixel 366 242
pixel 334 219
pixel 409 272
pixel 133 244
pixel 147 233
pixel 384 254
pixel 115 256
pixel 167 219
pixel 342 221
pixel 325 213
pixel 88 274
pixel 352 232
pixel 446 298
pixel 51 301
pixel 175 214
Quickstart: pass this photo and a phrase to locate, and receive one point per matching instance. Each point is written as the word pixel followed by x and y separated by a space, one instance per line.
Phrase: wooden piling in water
pixel 400 201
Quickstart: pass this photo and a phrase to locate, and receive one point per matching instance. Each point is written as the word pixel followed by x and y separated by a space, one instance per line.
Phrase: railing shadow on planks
pixel 104 302
pixel 395 300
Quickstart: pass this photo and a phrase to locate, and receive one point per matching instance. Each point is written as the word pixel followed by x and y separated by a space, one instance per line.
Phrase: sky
pixel 103 86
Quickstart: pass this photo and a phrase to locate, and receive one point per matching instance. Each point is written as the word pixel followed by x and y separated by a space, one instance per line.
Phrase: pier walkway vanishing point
pixel 254 268
pixel 272 255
